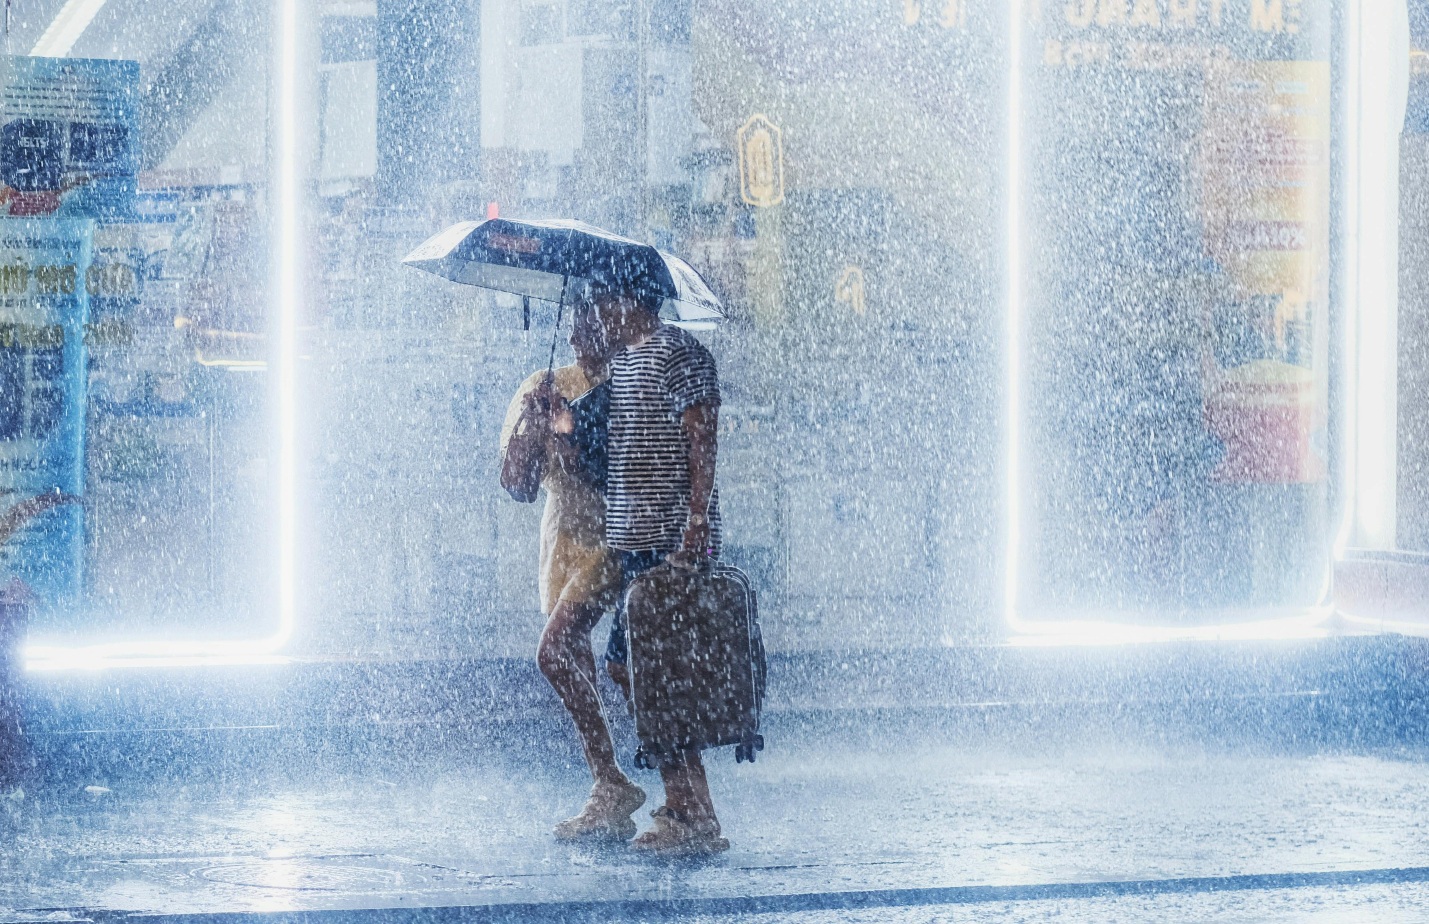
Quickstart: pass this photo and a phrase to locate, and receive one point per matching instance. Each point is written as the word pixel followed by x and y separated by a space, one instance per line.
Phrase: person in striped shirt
pixel 661 505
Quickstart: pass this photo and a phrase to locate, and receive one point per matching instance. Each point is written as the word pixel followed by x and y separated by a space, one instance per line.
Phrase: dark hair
pixel 651 303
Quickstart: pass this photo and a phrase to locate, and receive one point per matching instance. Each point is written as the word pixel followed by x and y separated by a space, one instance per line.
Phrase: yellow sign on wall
pixel 950 14
pixel 849 289
pixel 761 162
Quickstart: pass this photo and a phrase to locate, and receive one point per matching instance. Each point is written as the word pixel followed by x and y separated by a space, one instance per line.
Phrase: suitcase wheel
pixel 746 750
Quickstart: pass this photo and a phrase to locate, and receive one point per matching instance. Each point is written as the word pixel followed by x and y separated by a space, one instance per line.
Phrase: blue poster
pixel 68 137
pixel 44 307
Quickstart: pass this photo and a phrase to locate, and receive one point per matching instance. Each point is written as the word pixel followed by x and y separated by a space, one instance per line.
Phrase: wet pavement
pixel 1376 904
pixel 826 827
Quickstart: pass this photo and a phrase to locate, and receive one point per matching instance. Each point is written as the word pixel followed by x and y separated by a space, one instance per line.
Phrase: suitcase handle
pixel 702 565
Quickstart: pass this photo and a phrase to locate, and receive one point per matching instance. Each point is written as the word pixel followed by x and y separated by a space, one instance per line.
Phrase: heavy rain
pixel 723 461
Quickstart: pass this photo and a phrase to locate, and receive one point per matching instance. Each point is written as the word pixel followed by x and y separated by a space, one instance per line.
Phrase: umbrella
pixel 544 258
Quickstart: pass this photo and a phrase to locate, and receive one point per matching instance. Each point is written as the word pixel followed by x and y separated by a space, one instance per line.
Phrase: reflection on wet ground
pixel 951 832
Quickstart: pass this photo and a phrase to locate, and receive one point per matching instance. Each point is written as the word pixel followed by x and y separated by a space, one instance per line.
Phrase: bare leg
pixel 565 658
pixel 700 788
pixel 687 790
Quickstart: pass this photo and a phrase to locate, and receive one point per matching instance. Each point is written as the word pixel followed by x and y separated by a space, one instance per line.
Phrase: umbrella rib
pixel 560 310
pixel 556 334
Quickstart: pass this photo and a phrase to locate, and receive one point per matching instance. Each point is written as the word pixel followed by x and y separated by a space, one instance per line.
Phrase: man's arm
pixel 701 426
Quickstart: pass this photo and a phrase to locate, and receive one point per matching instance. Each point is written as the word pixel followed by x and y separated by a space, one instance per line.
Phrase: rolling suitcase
pixel 697 662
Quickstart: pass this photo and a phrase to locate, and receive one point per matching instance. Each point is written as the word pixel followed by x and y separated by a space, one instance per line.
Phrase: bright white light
pixel 1349 290
pixel 74 660
pixel 150 653
pixel 1375 92
pixel 1379 68
pixel 74 17
pixel 287 199
pixel 1013 487
pixel 1306 625
pixel 287 254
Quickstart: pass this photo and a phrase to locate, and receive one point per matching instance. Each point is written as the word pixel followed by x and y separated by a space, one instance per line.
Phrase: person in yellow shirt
pixel 579 577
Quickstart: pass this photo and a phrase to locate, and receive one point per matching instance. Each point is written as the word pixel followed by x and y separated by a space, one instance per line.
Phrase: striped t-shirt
pixel 648 493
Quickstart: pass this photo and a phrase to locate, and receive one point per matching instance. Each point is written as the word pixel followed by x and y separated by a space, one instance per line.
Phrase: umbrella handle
pixel 556 334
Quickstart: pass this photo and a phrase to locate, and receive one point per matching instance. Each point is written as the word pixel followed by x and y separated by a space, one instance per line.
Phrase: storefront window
pixel 1176 323
pixel 134 311
pixel 838 172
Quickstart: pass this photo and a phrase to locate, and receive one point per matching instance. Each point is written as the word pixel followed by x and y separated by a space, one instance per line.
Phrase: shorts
pixel 632 565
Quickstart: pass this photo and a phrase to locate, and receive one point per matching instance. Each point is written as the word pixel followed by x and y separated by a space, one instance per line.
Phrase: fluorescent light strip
pixel 1013 487
pixel 286 190
pixel 74 17
pixel 1349 287
pixel 1311 624
pixel 1379 69
pixel 288 198
pixel 1375 82
pixel 77 662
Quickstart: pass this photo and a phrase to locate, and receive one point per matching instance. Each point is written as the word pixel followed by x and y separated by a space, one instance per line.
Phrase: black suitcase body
pixel 697 662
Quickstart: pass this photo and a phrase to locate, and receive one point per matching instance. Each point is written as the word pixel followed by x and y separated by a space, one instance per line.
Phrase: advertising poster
pixel 1265 179
pixel 43 313
pixel 1249 80
pixel 68 137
